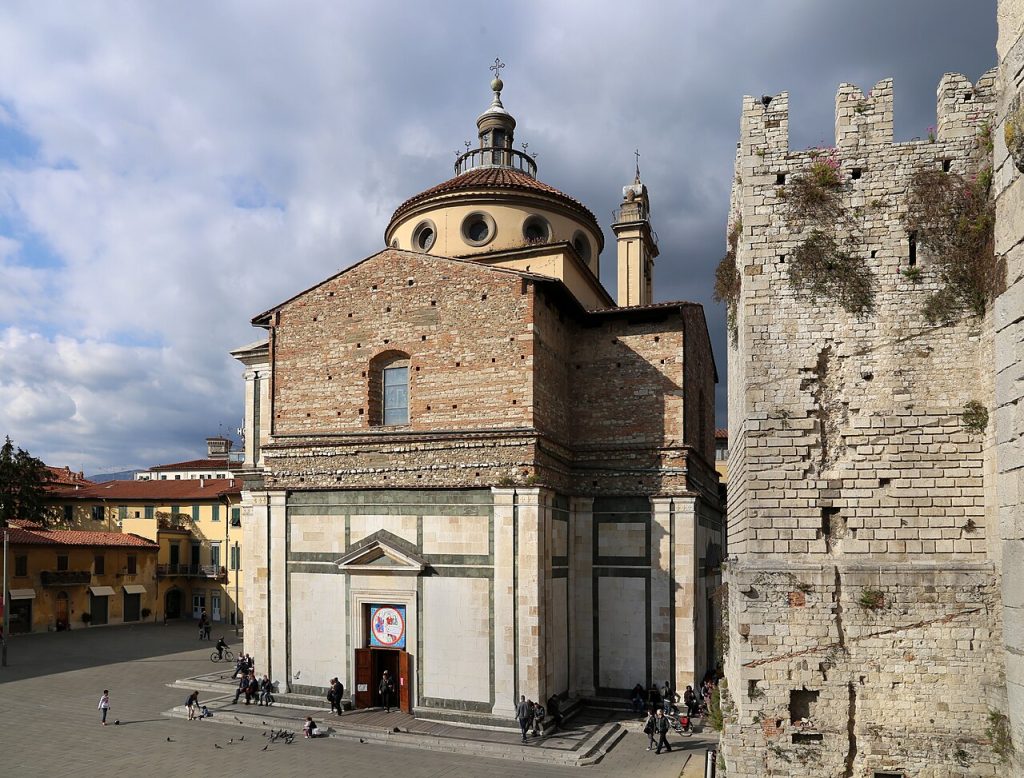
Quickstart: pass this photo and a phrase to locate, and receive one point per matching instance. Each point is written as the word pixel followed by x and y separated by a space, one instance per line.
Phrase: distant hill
pixel 124 475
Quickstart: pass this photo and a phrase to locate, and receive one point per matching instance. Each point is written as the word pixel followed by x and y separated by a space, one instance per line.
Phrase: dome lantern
pixel 496 131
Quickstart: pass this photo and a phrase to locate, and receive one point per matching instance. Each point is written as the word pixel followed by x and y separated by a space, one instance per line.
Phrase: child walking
pixel 104 706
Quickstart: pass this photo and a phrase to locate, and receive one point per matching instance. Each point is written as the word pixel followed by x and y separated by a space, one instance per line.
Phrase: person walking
pixel 523 714
pixel 387 690
pixel 650 729
pixel 192 703
pixel 336 696
pixel 104 706
pixel 662 727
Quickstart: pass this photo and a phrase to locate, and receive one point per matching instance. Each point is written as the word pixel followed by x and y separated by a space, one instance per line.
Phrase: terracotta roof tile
pixel 157 489
pixel 721 432
pixel 494 178
pixel 69 537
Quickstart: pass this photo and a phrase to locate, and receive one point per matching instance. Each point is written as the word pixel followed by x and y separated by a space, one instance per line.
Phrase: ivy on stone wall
pixel 826 264
pixel 954 218
pixel 825 268
pixel 728 279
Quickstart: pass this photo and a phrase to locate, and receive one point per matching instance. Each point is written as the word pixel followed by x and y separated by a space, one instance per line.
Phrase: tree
pixel 23 480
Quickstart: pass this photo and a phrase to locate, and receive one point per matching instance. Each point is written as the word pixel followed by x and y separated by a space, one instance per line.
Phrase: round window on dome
pixel 424 235
pixel 478 229
pixel 582 246
pixel 536 229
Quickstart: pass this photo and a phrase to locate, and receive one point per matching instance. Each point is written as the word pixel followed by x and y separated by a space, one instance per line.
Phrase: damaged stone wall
pixel 863 586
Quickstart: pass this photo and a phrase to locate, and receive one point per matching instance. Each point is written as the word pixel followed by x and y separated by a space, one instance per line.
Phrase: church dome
pixel 494 203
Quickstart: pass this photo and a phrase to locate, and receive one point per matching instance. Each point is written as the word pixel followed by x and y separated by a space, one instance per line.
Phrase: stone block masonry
pixel 863 585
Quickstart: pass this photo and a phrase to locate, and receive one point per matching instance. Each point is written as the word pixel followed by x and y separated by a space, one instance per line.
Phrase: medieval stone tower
pixel 864 577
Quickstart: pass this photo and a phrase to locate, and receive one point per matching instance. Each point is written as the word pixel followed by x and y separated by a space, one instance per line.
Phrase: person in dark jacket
pixel 252 691
pixel 554 710
pixel 192 703
pixel 653 697
pixel 650 729
pixel 662 727
pixel 524 712
pixel 639 695
pixel 387 691
pixel 690 701
pixel 336 695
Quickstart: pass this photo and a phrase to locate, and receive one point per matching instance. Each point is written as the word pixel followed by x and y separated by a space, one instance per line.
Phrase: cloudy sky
pixel 168 170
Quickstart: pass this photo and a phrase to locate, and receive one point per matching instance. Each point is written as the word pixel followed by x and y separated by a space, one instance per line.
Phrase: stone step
pixel 592 750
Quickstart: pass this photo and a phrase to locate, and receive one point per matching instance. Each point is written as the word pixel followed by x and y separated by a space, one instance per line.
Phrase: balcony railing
pixel 213 572
pixel 496 156
pixel 65 577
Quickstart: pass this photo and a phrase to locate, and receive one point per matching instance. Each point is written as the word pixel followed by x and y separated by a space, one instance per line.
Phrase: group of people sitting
pixel 260 690
pixel 531 715
pixel 665 699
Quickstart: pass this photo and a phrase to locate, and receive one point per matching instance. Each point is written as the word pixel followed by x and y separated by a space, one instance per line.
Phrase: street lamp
pixel 238 570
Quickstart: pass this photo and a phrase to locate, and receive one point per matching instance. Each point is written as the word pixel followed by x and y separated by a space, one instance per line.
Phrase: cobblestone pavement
pixel 50 690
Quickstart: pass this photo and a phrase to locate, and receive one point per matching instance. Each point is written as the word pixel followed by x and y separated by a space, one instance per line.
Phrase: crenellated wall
pixel 863 581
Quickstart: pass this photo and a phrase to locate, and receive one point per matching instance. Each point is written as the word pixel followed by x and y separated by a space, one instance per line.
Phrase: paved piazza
pixel 51 726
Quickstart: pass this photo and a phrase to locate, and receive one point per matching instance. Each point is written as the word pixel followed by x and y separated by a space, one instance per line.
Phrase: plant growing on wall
pixel 954 217
pixel 826 266
pixel 998 734
pixel 975 416
pixel 871 599
pixel 727 278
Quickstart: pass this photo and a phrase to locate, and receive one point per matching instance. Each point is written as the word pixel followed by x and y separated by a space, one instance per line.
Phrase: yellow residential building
pixel 196 523
pixel 69 579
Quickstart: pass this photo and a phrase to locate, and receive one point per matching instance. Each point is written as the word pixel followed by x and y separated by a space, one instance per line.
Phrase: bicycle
pixel 228 656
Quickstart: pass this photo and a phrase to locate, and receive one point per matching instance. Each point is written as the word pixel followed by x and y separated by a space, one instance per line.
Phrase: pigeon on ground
pixel 264 724
pixel 169 740
pixel 241 738
pixel 265 747
pixel 216 746
pixel 231 740
pixel 238 719
pixel 361 740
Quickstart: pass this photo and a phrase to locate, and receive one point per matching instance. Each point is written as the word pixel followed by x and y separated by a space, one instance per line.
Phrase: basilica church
pixel 468 464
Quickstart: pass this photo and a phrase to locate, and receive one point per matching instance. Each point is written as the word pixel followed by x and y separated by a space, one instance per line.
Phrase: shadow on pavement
pixel 48 653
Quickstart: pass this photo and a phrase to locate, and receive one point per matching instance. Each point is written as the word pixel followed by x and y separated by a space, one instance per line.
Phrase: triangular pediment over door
pixel 382 552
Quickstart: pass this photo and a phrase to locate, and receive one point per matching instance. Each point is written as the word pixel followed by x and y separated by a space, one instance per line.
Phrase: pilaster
pixel 581 596
pixel 506 648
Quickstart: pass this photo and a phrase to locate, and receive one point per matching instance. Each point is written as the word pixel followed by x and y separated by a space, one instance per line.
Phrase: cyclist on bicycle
pixel 221 645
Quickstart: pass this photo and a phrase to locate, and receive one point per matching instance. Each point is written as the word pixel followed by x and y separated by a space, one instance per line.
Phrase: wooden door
pixel 62 610
pixel 364 678
pixel 405 681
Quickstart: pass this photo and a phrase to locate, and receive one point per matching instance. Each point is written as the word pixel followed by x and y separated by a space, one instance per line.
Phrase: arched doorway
pixel 61 616
pixel 172 604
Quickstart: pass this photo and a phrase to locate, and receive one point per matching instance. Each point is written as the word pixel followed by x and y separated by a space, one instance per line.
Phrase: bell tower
pixel 637 244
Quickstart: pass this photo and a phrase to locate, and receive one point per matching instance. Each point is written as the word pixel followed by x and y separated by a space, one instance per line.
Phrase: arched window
pixel 388 389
